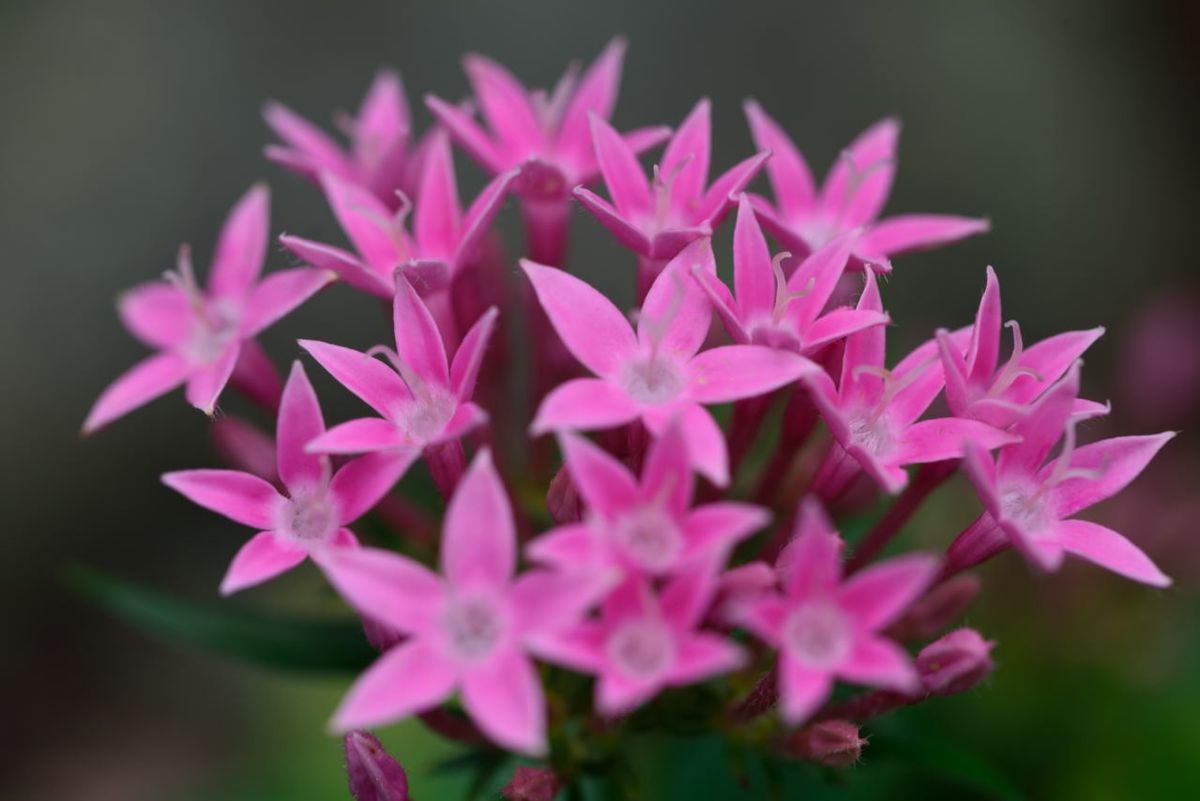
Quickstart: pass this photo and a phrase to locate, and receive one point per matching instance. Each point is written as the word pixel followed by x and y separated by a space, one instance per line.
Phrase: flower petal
pixel 622 173
pixel 713 529
pixel 205 384
pixel 361 483
pixel 158 313
pixel 878 662
pixel 605 484
pixel 734 372
pixel 568 546
pixel 319 152
pixel 1114 462
pixel 859 183
pixel 242 244
pixel 344 264
pixel 724 193
pixel 478 219
pixel 418 341
pixel 241 497
pixel 363 435
pixel 704 656
pixel 810 565
pixel 705 442
pixel 140 384
pixel 467 134
pixel 262 558
pixel 1110 550
pixel 464 370
pixel 438 213
pixel 667 472
pixel 505 105
pixel 479 541
pixel 386 586
pixel 791 179
pixel 596 95
pixel 942 438
pixel 583 404
pixel 684 164
pixel 802 690
pixel 504 697
pixel 676 313
pixel 906 233
pixel 280 293
pixel 408 678
pixel 753 274
pixel 1041 428
pixel 370 379
pixel 618 225
pixel 878 594
pixel 300 422
pixel 368 223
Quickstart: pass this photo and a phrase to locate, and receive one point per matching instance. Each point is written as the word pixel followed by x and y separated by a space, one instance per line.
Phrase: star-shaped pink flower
pixel 853 195
pixel 1031 503
pixel 657 373
pixel 473 630
pixel 657 220
pixel 311 516
pixel 422 399
pixel 872 412
pixel 828 629
pixel 767 308
pixel 443 242
pixel 644 527
pixel 379 158
pixel 201 333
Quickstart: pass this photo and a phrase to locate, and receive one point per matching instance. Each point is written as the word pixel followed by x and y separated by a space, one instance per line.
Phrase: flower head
pixel 200 332
pixel 658 219
pixel 826 628
pixel 310 517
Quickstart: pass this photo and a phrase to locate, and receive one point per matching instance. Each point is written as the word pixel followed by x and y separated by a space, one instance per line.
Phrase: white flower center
pixel 473 625
pixel 425 416
pixel 653 381
pixel 641 648
pixel 213 329
pixel 1022 506
pixel 817 635
pixel 650 537
pixel 308 518
pixel 872 433
pixel 774 335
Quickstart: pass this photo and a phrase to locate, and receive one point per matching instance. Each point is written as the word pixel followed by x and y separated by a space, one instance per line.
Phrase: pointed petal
pixel 569 546
pixel 383 119
pixel 595 95
pixel 469 357
pixel 1110 550
pixel 791 180
pixel 954 374
pixel 676 309
pixel 157 312
pixel 242 245
pixel 467 134
pixel 716 527
pixel 942 438
pixel 753 274
pixel 864 349
pixel 705 442
pixel 318 152
pixel 605 484
pixel 262 558
pixel 591 327
pixel 839 324
pixel 906 233
pixel 724 193
pixel 300 422
pixel 241 497
pixel 619 694
pixel 418 341
pixel 685 160
pixel 625 232
pixel 1050 359
pixel 478 220
pixel 344 264
pixel 467 417
pixel 1114 462
pixel 1041 428
pixel 877 595
pixel 667 473
pixel 408 678
pixel 981 471
pixel 361 483
pixel 583 404
pixel 438 213
pixel 505 105
pixel 984 354
pixel 479 541
pixel 504 697
pixel 817 277
pixel 206 383
pixel 733 372
pixel 370 379
pixel 622 173
pixel 368 223
pixel 386 586
pixel 724 304
pixel 547 602
pixel 363 435
pixel 280 293
pixel 801 690
pixel 153 376
pixel 877 662
pixel 704 656
pixel 810 565
pixel 859 183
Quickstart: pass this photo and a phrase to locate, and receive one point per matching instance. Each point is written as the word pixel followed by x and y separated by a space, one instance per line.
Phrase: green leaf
pixel 953 763
pixel 226 629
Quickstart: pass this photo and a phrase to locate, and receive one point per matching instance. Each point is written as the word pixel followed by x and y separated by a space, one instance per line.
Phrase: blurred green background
pixel 128 127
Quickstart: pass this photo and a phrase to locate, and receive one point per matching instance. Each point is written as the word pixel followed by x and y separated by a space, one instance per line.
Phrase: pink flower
pixel 546 137
pixel 201 333
pixel 853 195
pixel 1032 504
pixel 789 313
pixel 657 373
pixel 643 527
pixel 657 220
pixel 827 629
pixel 979 388
pixel 444 239
pixel 645 642
pixel 311 518
pixel 379 158
pixel 471 631
pixel 422 399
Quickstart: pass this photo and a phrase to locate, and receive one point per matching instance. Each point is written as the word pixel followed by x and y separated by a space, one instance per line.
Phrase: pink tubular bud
pixel 531 784
pixel 940 607
pixel 374 774
pixel 562 499
pixel 832 743
pixel 955 663
pixel 381 636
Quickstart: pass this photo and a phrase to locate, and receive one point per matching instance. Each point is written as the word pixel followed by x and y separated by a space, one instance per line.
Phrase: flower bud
pixel 562 499
pixel 531 784
pixel 374 775
pixel 940 607
pixel 380 635
pixel 955 663
pixel 832 743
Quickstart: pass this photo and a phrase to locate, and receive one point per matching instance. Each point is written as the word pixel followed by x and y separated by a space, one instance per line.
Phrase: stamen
pixel 1062 470
pixel 783 298
pixel 1012 369
pixel 662 190
pixel 892 384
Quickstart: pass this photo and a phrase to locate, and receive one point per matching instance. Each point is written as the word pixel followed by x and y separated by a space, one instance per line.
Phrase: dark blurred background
pixel 129 127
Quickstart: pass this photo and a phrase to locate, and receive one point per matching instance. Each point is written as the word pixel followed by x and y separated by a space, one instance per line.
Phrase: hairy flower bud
pixel 940 607
pixel 380 635
pixel 374 775
pixel 531 784
pixel 832 743
pixel 955 663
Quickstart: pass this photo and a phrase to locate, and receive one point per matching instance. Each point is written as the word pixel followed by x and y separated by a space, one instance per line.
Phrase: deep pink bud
pixel 380 635
pixel 373 773
pixel 955 663
pixel 832 743
pixel 940 607
pixel 562 499
pixel 531 784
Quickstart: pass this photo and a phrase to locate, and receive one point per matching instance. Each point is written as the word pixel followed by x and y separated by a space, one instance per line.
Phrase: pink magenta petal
pixel 906 233
pixel 705 442
pixel 547 602
pixel 567 546
pixel 383 115
pixel 469 357
pixel 733 372
pixel 839 324
pixel 704 656
pixel 861 179
pixel 367 222
pixel 418 341
pixel 753 275
pixel 725 191
pixel 878 662
pixel 984 352
pixel 300 422
pixel 880 593
pixel 618 694
pixel 364 435
pixel 583 404
pixel 1114 462
pixel 810 565
pixel 816 279
pixel 370 379
pixel 344 264
pixel 591 327
pixel 319 151
pixel 791 179
pixel 241 497
pixel 438 214
pixel 942 438
pixel 385 585
pixel 158 313
pixel 242 244
pixel 1041 428
pixel 687 597
pixel 1110 550
pixel 667 474
pixel 865 348
pixel 676 313
pixel 621 170
pixel 140 384
pixel 580 648
pixel 262 558
pixel 361 483
pixel 479 541
pixel 801 690
pixel 1049 359
pixel 408 678
pixel 478 219
pixel 280 293
pixel 467 133
pixel 467 417
pixel 605 484
pixel 722 301
pixel 205 384
pixel 716 527
pixel 625 231
pixel 596 95
pixel 504 697
pixel 505 105
pixel 686 157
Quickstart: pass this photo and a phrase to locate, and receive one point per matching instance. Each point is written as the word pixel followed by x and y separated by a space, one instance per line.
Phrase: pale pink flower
pixel 767 308
pixel 421 398
pixel 658 219
pixel 1031 502
pixel 644 642
pixel 471 631
pixel 443 239
pixel 310 518
pixel 644 527
pixel 658 372
pixel 201 333
pixel 805 217
pixel 380 157
pixel 828 629
pixel 872 412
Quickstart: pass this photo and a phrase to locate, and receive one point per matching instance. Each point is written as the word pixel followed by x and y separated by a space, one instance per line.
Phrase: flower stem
pixel 928 478
pixel 447 463
pixel 760 700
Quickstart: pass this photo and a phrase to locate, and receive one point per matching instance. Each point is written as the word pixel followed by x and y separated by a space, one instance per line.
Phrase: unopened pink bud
pixel 562 499
pixel 955 663
pixel 373 773
pixel 940 607
pixel 833 743
pixel 531 784
pixel 380 635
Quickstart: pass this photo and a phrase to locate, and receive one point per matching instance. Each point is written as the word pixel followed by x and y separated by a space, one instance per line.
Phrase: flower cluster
pixel 711 442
